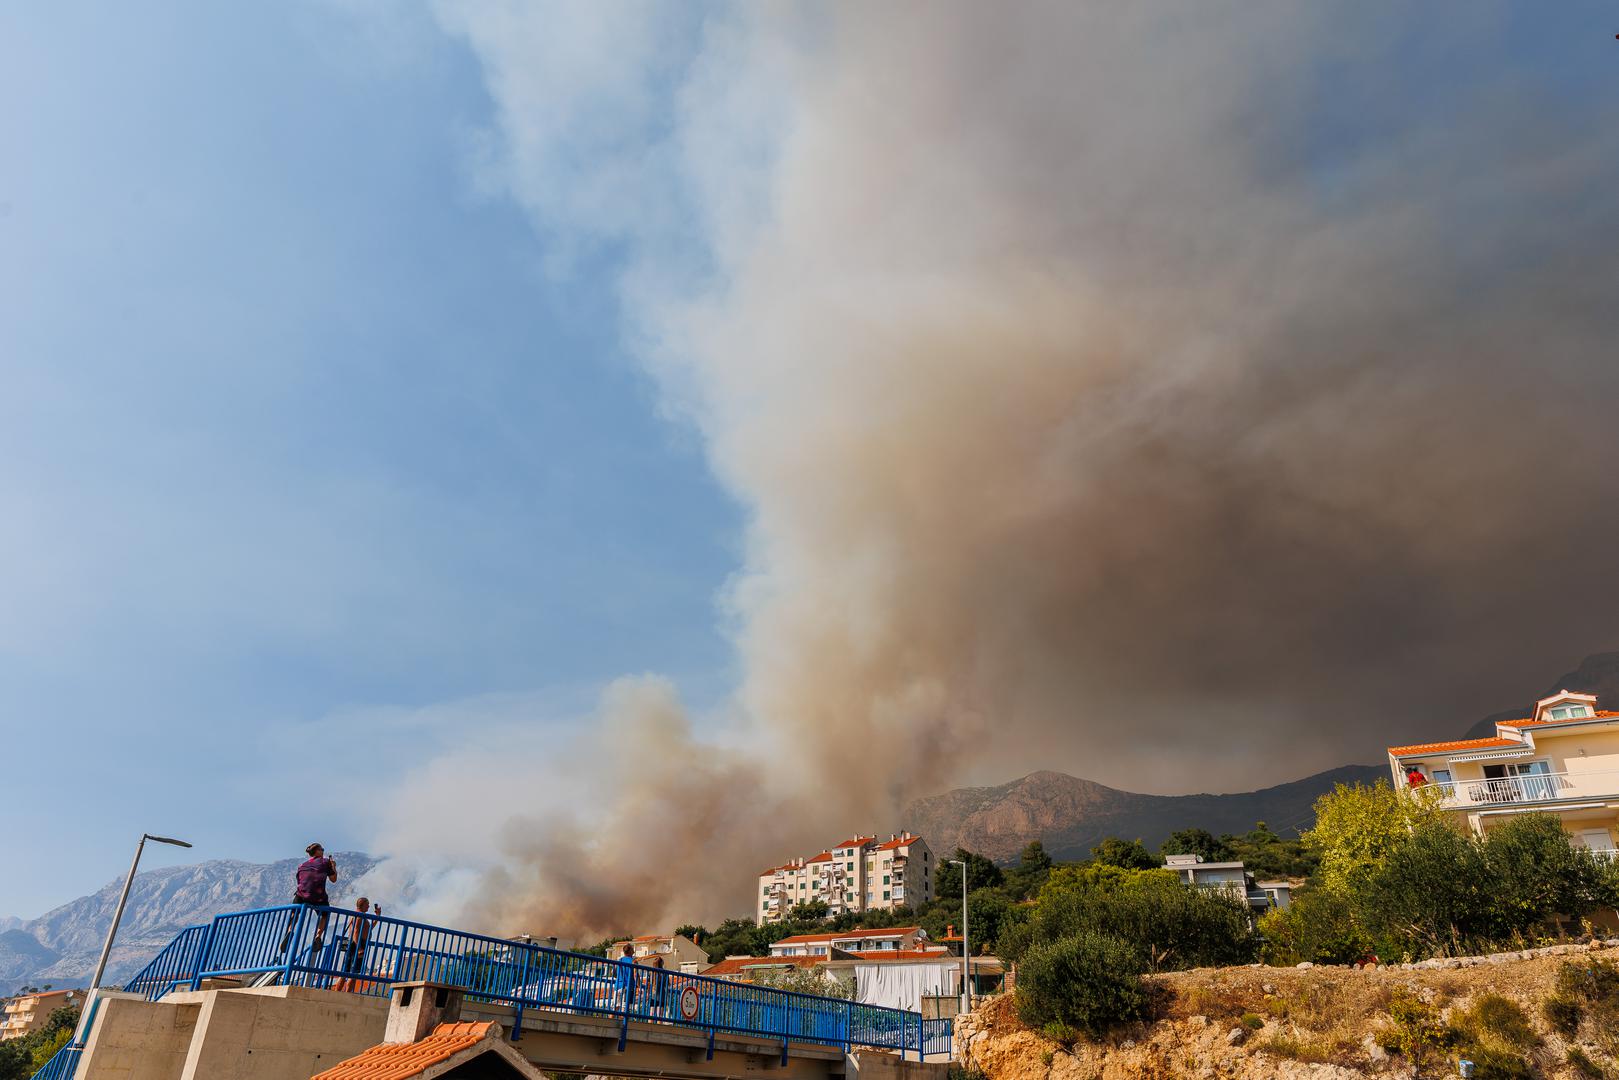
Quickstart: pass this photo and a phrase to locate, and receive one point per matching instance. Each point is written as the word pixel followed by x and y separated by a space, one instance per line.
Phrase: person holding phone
pixel 309 889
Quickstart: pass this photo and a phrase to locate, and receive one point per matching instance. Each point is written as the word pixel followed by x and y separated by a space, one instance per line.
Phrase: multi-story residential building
pixel 28 1012
pixel 859 874
pixel 679 952
pixel 1563 760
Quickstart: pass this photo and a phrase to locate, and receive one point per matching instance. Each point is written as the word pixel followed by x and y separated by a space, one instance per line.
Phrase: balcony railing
pixel 1539 787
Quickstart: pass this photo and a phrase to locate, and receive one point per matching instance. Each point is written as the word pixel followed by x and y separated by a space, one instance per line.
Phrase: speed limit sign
pixel 689 1002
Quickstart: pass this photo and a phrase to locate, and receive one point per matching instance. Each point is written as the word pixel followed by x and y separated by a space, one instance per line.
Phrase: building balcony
pixel 1549 787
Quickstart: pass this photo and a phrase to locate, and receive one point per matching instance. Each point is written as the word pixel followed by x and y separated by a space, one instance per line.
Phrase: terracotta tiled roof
pixel 398 1061
pixel 825 856
pixel 1601 714
pixel 888 955
pixel 898 842
pixel 1454 744
pixel 737 965
pixel 892 931
pixel 858 841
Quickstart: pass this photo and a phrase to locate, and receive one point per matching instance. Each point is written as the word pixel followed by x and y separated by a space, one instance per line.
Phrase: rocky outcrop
pixel 1259 1023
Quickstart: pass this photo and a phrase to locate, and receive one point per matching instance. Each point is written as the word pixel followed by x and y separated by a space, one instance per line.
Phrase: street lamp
pixel 966 951
pixel 112 931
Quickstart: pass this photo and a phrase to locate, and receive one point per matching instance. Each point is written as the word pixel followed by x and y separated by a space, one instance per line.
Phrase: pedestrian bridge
pixel 564 1011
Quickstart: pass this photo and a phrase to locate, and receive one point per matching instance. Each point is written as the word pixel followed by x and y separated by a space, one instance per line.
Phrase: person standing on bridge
pixel 310 890
pixel 625 981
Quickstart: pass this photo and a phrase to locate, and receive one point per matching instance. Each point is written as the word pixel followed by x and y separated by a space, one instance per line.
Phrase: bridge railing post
pixel 520 991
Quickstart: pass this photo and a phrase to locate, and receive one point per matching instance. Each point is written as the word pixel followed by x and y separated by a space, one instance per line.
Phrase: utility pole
pixel 112 931
pixel 966 946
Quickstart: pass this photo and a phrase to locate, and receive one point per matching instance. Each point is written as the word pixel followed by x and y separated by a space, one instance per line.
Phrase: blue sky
pixel 297 421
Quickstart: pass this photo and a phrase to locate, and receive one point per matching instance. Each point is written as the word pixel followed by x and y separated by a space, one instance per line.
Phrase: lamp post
pixel 966 950
pixel 112 931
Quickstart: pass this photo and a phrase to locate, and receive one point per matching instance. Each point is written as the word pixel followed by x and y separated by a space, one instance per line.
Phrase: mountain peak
pixel 1070 814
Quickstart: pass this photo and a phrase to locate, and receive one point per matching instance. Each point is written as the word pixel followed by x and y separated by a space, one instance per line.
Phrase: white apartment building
pixel 27 1013
pixel 893 939
pixel 859 874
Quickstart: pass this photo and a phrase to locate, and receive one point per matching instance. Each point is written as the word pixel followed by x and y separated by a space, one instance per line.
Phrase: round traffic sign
pixel 688 1002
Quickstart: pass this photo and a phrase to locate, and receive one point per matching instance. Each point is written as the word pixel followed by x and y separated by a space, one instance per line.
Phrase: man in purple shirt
pixel 310 889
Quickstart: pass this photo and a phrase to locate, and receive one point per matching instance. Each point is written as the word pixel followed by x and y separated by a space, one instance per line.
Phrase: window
pixel 885 879
pixel 850 868
pixel 885 894
pixel 1570 712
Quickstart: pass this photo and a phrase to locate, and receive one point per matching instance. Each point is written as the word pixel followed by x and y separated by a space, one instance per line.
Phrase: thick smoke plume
pixel 1185 396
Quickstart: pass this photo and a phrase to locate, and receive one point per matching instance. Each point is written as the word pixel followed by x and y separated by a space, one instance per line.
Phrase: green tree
pixel 1024 880
pixel 810 911
pixel 1266 854
pixel 1358 827
pixel 1195 842
pixel 1088 981
pixel 1130 854
pixel 981 874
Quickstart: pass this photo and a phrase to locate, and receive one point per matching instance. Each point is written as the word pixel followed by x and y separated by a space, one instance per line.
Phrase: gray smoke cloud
pixel 1185 396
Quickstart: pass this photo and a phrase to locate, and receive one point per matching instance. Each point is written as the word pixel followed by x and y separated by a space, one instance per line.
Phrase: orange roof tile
pixel 886 955
pixel 1454 744
pixel 892 931
pixel 825 856
pixel 737 965
pixel 898 842
pixel 398 1061
pixel 1601 714
pixel 858 841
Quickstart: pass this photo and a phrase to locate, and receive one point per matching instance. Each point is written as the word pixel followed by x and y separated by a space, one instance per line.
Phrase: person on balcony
pixel 1414 777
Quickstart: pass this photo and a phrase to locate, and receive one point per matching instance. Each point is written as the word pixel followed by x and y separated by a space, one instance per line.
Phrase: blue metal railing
pixel 334 948
pixel 176 963
pixel 62 1064
pixel 65 1062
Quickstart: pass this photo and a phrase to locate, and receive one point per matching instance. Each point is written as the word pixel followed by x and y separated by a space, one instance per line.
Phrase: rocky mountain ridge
pixel 1070 814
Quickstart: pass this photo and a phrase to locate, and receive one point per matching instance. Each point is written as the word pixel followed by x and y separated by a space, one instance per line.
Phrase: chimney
pixel 416 1008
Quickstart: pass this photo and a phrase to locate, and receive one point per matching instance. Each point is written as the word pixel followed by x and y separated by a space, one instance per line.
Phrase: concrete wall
pixel 274 1033
pixel 280 1033
pixel 136 1039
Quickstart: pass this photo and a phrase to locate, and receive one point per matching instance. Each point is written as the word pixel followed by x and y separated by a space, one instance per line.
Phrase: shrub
pixel 1287 1046
pixel 1563 1013
pixel 1319 926
pixel 1501 1017
pixel 1173 926
pixel 1582 1064
pixel 1417 1030
pixel 1596 981
pixel 1252 1021
pixel 1088 981
pixel 1492 1064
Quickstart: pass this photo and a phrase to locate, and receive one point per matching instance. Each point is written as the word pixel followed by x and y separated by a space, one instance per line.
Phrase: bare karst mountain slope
pixel 1070 815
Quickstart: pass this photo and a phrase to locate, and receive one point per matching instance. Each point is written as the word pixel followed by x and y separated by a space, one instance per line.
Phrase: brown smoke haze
pixel 1187 397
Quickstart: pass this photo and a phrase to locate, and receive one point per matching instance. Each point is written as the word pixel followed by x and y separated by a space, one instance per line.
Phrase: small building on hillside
pixel 1231 878
pixel 679 952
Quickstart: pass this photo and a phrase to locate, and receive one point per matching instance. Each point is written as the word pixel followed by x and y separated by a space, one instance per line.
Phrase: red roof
pixel 1454 744
pixel 858 841
pixel 825 856
pixel 399 1061
pixel 737 964
pixel 893 931
pixel 1600 714
pixel 898 842
pixel 886 955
